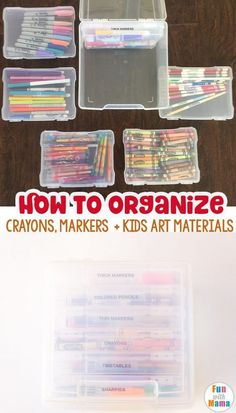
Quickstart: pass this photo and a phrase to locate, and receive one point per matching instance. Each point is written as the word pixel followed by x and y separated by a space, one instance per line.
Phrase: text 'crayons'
pixel 161 156
pixel 77 159
pixel 43 33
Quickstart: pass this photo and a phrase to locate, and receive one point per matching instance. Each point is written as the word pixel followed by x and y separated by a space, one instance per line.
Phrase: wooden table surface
pixel 201 33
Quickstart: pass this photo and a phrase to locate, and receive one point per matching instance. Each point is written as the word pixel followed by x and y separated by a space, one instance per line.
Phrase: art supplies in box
pixel 118 332
pixel 123 55
pixel 200 93
pixel 39 33
pixel 77 159
pixel 38 94
pixel 160 157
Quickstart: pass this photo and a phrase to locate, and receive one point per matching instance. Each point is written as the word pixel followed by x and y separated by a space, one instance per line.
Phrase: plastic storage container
pixel 123 54
pixel 161 157
pixel 200 93
pixel 77 159
pixel 118 332
pixel 38 94
pixel 39 33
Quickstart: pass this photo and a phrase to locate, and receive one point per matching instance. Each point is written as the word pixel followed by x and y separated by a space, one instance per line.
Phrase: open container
pixel 118 334
pixel 29 34
pixel 161 157
pixel 200 93
pixel 38 94
pixel 77 159
pixel 123 54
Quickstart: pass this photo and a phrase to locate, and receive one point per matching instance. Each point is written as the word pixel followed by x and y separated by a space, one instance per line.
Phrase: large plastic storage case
pixel 123 54
pixel 118 332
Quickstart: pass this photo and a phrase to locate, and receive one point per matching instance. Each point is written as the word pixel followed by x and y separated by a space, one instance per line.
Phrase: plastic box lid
pixel 123 9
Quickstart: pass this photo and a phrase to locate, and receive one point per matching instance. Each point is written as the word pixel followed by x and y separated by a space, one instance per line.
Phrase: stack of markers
pixel 191 87
pixel 45 33
pixel 41 94
pixel 121 39
pixel 161 157
pixel 77 159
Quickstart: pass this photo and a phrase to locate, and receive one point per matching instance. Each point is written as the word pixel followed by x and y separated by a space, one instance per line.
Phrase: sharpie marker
pixel 64 12
pixel 37 38
pixel 19 50
pixel 52 48
pixel 41 44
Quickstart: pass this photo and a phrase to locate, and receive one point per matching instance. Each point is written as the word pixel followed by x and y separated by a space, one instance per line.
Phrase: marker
pixel 38 37
pixel 44 30
pixel 13 51
pixel 33 92
pixel 38 83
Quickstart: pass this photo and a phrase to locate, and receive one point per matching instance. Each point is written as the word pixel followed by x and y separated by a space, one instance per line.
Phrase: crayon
pixel 160 156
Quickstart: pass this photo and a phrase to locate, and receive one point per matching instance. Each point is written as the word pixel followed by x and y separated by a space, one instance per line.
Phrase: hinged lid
pixel 123 9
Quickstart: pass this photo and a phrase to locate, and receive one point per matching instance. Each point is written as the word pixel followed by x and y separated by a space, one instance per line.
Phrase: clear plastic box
pixel 123 55
pixel 118 332
pixel 38 94
pixel 77 159
pixel 38 38
pixel 200 93
pixel 161 157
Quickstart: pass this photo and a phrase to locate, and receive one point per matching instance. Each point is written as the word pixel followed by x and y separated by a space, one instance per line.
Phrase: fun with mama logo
pixel 219 397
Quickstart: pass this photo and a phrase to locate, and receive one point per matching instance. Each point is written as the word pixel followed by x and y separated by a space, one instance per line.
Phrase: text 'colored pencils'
pixel 77 159
pixel 44 33
pixel 161 156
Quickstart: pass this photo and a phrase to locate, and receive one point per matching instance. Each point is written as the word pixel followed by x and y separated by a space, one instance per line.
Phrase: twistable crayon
pixel 192 89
